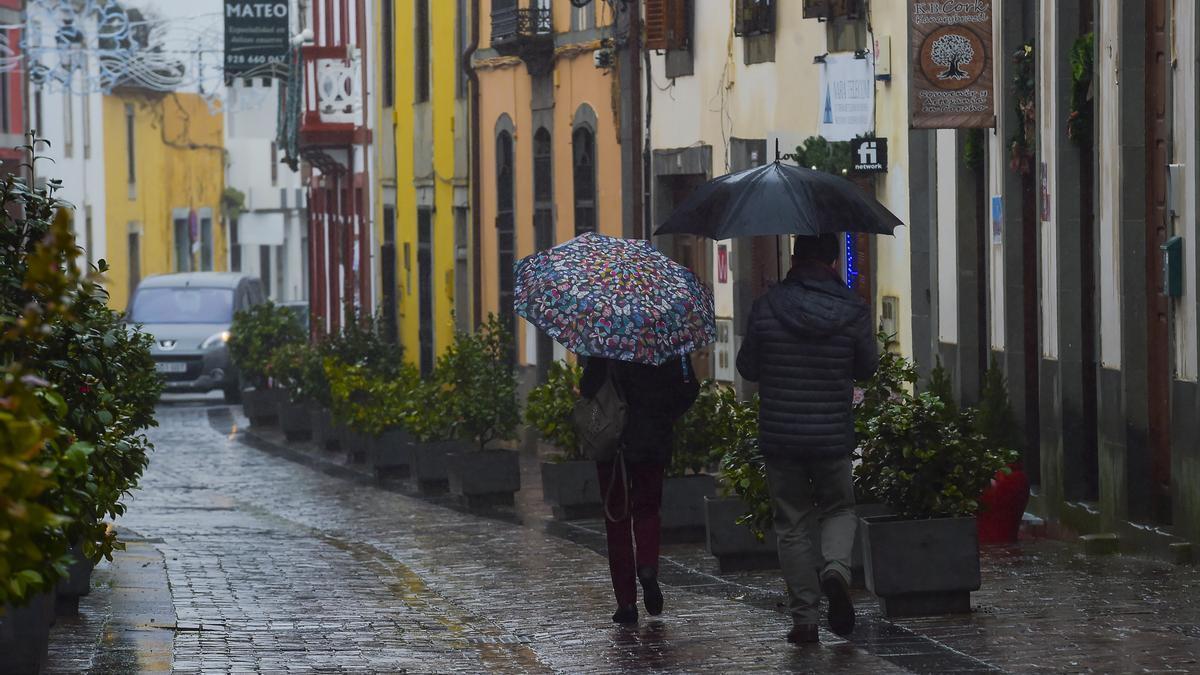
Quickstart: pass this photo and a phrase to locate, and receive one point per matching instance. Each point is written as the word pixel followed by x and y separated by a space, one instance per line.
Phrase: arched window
pixel 543 226
pixel 583 143
pixel 505 230
pixel 543 190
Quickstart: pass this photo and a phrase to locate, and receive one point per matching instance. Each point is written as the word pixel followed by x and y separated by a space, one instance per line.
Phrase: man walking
pixel 808 339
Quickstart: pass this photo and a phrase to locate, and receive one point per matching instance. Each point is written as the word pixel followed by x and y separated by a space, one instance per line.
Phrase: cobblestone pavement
pixel 278 561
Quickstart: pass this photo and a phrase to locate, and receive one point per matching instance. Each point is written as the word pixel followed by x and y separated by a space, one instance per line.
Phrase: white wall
pixel 69 113
pixel 947 236
pixel 725 98
pixel 1184 152
pixel 1049 55
pixel 249 132
pixel 1108 187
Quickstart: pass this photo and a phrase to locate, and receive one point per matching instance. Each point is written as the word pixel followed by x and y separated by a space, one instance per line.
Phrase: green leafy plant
pixel 368 402
pixel 476 375
pixel 915 457
pixel 256 333
pixel 433 418
pixel 940 386
pixel 549 406
pixel 743 468
pixel 995 419
pixel 361 342
pixel 1024 87
pixel 701 432
pixel 973 148
pixel 233 203
pixel 299 368
pixel 1080 118
pixel 819 154
pixel 39 278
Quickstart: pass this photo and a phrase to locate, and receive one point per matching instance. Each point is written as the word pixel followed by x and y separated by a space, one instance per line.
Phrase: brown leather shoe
pixel 803 634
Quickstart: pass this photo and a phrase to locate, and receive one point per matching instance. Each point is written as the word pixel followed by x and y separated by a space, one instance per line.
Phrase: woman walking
pixel 655 397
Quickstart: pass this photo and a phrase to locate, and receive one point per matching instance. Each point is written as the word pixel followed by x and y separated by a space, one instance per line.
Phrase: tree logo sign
pixel 952 58
pixel 952 64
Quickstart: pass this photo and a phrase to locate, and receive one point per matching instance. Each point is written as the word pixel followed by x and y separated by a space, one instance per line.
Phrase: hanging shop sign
pixel 847 96
pixel 869 155
pixel 953 84
pixel 256 35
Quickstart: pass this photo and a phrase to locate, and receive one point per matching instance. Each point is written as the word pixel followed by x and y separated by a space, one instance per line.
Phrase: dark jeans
pixel 636 524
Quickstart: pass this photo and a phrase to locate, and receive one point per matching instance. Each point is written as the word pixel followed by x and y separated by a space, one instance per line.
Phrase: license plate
pixel 171 367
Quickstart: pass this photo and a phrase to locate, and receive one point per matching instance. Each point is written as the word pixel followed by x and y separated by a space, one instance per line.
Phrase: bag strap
pixel 612 481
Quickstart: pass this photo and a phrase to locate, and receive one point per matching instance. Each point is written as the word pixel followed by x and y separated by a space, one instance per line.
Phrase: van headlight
pixel 215 340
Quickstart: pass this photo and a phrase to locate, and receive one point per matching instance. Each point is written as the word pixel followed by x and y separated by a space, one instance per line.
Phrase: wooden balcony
pixel 525 32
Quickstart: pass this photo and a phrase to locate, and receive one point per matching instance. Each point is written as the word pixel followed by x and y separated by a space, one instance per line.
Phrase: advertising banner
pixel 256 35
pixel 847 97
pixel 952 74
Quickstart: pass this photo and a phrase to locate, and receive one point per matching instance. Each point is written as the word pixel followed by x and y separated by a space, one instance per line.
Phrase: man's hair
pixel 823 248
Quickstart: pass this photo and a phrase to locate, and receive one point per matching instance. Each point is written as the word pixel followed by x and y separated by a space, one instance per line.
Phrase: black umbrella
pixel 778 199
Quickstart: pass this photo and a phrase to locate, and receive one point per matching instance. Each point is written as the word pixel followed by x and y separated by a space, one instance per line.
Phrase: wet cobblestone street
pixel 244 559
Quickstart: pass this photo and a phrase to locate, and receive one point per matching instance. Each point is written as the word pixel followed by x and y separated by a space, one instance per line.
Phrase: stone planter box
pixel 921 567
pixel 356 445
pixel 324 432
pixel 77 584
pixel 482 478
pixel 392 454
pixel 735 546
pixel 25 635
pixel 295 420
pixel 429 465
pixel 572 489
pixel 262 406
pixel 683 507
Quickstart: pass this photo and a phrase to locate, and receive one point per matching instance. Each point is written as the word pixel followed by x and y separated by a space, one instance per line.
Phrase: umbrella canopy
pixel 778 199
pixel 616 298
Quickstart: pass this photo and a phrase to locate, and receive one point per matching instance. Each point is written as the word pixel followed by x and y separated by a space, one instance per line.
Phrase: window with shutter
pixel 666 24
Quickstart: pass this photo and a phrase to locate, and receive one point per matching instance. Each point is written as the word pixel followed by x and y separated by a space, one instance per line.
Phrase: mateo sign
pixel 257 35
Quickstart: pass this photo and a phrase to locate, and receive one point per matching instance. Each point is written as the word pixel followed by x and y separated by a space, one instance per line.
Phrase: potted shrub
pixel 698 447
pixel 930 466
pixel 254 335
pixel 374 409
pixel 77 387
pixel 361 344
pixel 291 367
pixel 483 393
pixel 1002 505
pixel 433 428
pixel 570 484
pixel 738 524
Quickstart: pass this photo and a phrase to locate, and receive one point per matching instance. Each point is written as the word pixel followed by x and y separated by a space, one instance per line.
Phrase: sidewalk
pixel 280 557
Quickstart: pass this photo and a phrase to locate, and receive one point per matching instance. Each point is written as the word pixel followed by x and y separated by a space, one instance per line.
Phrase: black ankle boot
pixel 626 614
pixel 651 594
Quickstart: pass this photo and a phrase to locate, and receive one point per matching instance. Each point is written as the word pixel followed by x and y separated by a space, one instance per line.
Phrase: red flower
pixel 84 389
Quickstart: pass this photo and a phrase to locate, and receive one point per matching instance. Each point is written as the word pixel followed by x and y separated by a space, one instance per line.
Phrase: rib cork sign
pixel 952 64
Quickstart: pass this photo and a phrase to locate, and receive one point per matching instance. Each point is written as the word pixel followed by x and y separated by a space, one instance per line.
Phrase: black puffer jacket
pixel 808 340
pixel 655 396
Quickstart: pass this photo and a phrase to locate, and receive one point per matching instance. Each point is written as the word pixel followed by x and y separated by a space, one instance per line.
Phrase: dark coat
pixel 808 339
pixel 655 397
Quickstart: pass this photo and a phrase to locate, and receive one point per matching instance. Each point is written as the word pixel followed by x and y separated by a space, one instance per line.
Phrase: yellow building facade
pixel 550 160
pixel 423 213
pixel 164 170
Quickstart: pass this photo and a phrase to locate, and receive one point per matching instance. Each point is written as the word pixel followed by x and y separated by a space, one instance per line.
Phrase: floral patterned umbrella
pixel 615 298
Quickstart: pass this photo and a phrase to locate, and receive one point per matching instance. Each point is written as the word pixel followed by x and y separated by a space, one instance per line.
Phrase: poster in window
pixel 952 70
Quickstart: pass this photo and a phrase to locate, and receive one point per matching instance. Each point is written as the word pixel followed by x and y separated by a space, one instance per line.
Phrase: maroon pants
pixel 633 538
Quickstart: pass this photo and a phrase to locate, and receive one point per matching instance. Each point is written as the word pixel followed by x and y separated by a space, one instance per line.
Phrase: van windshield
pixel 182 305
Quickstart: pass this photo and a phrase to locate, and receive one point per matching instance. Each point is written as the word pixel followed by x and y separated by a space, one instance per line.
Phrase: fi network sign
pixel 869 155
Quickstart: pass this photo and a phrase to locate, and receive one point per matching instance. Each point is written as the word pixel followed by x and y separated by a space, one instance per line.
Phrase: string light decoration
pixel 851 262
pixel 81 46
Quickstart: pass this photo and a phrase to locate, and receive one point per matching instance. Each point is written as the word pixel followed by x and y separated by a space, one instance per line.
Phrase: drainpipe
pixel 473 147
